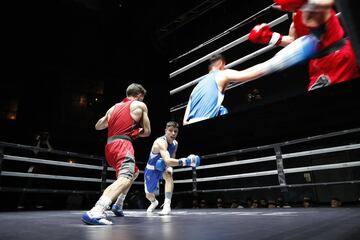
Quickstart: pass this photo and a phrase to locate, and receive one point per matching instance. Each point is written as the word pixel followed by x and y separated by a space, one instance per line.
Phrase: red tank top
pixel 121 122
pixel 333 29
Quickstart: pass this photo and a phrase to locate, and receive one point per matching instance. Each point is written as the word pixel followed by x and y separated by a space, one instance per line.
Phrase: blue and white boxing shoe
pixel 95 218
pixel 117 210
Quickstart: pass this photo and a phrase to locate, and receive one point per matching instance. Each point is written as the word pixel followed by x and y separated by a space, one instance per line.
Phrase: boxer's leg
pixel 169 188
pixel 151 179
pixel 125 168
pixel 117 207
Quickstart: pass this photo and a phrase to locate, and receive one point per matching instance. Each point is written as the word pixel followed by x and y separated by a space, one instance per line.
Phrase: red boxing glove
pixel 290 5
pixel 262 34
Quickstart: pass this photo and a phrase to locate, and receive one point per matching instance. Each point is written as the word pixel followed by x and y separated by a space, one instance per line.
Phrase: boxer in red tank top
pixel 336 61
pixel 125 122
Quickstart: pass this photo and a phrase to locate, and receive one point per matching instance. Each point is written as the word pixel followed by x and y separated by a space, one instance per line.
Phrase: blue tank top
pixel 206 98
pixel 154 157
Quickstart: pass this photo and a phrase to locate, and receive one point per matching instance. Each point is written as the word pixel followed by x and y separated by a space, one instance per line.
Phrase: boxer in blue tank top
pixel 159 166
pixel 206 98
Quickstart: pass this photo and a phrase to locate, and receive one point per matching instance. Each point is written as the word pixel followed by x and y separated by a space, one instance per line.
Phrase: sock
pixel 120 200
pixel 102 204
pixel 168 196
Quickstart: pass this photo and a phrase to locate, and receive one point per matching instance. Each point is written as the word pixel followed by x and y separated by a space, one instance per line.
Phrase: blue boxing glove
pixel 160 165
pixel 222 111
pixel 191 161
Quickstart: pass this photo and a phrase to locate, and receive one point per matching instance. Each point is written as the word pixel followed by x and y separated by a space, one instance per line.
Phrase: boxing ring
pixel 227 223
pixel 281 157
pixel 281 166
pixel 28 171
pixel 317 223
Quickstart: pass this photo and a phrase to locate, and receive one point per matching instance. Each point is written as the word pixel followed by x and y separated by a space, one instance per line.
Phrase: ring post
pixel 103 175
pixel 194 183
pixel 1 160
pixel 280 168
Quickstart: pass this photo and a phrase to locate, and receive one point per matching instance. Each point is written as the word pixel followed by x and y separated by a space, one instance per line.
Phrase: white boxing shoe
pixel 166 209
pixel 152 206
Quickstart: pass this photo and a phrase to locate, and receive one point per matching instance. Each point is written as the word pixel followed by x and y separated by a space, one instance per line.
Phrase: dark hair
pixel 172 124
pixel 135 89
pixel 214 58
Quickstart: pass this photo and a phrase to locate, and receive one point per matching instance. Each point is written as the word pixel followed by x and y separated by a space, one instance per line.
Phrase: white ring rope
pixel 51 162
pixel 224 48
pixel 270 158
pixel 227 31
pixel 56 163
pixel 274 172
pixel 230 65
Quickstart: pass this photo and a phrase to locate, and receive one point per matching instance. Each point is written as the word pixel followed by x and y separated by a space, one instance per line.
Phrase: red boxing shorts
pixel 120 155
pixel 336 67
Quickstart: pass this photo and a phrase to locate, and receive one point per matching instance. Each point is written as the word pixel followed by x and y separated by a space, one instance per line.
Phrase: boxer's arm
pixel 140 114
pixel 229 75
pixel 174 153
pixel 161 145
pixel 102 123
pixel 300 50
pixel 286 40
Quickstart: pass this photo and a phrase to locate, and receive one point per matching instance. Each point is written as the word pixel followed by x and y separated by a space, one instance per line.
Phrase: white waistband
pixel 198 119
pixel 150 167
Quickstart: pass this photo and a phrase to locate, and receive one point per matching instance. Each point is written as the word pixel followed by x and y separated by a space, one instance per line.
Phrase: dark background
pixel 68 61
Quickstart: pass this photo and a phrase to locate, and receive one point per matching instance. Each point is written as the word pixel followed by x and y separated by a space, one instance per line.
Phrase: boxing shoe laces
pixel 166 209
pixel 117 210
pixel 95 218
pixel 152 206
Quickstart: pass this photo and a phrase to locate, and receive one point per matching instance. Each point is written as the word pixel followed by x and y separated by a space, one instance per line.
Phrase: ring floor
pixel 199 224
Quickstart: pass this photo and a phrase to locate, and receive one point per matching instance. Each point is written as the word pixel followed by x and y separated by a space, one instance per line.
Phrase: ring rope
pixel 57 163
pixel 56 177
pixel 46 190
pixel 226 47
pixel 270 158
pixel 274 172
pixel 264 147
pixel 52 151
pixel 229 30
pixel 270 187
pixel 51 162
pixel 230 65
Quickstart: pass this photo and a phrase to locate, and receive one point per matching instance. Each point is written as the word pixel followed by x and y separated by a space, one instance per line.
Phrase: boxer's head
pixel 171 131
pixel 217 61
pixel 136 91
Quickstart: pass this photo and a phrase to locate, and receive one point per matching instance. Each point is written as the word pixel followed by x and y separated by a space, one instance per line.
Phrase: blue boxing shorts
pixel 151 179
